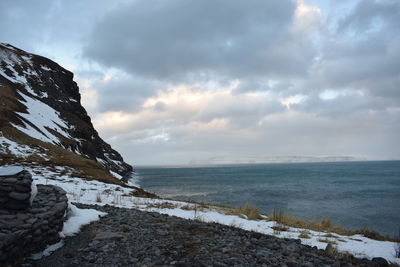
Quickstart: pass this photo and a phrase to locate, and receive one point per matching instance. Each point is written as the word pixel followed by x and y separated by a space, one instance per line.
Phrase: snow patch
pixel 101 161
pixel 116 175
pixel 42 116
pixel 23 151
pixel 33 192
pixel 50 249
pixel 77 218
pixel 45 68
pixel 10 170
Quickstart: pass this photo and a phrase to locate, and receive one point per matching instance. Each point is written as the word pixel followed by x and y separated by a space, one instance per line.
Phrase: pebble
pixel 152 239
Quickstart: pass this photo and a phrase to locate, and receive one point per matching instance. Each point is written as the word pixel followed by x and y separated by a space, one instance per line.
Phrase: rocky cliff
pixel 41 117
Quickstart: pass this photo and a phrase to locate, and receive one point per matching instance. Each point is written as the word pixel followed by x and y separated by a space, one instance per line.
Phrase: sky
pixel 180 81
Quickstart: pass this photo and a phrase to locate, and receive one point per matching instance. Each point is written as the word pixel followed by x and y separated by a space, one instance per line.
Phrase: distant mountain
pixel 272 159
pixel 42 120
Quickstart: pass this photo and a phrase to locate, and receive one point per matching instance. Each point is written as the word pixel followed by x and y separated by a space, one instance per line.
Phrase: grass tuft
pixel 162 205
pixel 98 198
pixel 305 234
pixel 325 225
pixel 252 213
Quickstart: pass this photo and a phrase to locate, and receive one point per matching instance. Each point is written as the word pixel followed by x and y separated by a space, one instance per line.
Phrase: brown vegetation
pixel 85 168
pixel 325 225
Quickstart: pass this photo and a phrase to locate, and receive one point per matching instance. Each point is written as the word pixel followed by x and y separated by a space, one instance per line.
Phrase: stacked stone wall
pixel 15 191
pixel 25 228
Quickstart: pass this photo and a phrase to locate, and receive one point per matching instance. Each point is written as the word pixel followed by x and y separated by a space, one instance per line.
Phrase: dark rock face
pixel 23 74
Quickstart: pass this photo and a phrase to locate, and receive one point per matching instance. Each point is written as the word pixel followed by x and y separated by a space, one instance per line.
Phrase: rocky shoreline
pixel 130 237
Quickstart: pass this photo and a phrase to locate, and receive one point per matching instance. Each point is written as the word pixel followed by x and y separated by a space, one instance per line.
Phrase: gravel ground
pixel 129 237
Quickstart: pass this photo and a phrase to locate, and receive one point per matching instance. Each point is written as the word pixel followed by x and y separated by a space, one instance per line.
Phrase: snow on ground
pixel 45 68
pixel 77 218
pixel 116 175
pixel 94 192
pixel 22 151
pixel 33 192
pixel 42 116
pixel 10 59
pixel 47 252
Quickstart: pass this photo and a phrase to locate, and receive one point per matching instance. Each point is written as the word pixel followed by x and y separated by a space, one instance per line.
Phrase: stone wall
pixel 28 229
pixel 15 191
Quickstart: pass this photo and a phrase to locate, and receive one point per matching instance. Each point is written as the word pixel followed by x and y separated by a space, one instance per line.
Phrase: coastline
pixel 353 194
pixel 97 193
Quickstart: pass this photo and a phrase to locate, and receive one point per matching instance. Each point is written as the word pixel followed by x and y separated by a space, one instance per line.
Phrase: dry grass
pixel 278 228
pixel 372 234
pixel 252 213
pixel 325 225
pixel 196 207
pixel 56 156
pixel 305 234
pixel 278 216
pixel 332 251
pixel 117 199
pixel 162 205
pixel 330 235
pixel 98 198
pixel 282 218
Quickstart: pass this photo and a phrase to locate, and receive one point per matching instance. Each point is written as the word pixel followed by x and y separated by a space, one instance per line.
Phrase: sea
pixel 352 194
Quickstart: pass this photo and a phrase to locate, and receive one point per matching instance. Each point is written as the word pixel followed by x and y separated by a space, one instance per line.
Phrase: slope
pixel 42 120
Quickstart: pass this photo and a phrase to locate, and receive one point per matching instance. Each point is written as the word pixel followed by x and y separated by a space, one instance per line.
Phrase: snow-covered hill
pixel 40 103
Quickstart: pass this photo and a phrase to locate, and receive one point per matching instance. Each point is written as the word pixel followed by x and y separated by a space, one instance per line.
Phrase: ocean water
pixel 352 194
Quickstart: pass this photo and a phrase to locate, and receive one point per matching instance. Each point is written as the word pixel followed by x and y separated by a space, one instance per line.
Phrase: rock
pixel 108 235
pixel 255 235
pixel 379 262
pixel 24 230
pixel 182 243
pixel 329 249
pixel 19 196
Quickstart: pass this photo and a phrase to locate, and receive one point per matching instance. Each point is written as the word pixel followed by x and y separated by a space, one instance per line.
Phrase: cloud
pixel 180 39
pixel 362 54
pixel 168 81
pixel 371 15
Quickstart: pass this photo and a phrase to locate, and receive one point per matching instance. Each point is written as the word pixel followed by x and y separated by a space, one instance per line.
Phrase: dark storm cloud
pixel 175 38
